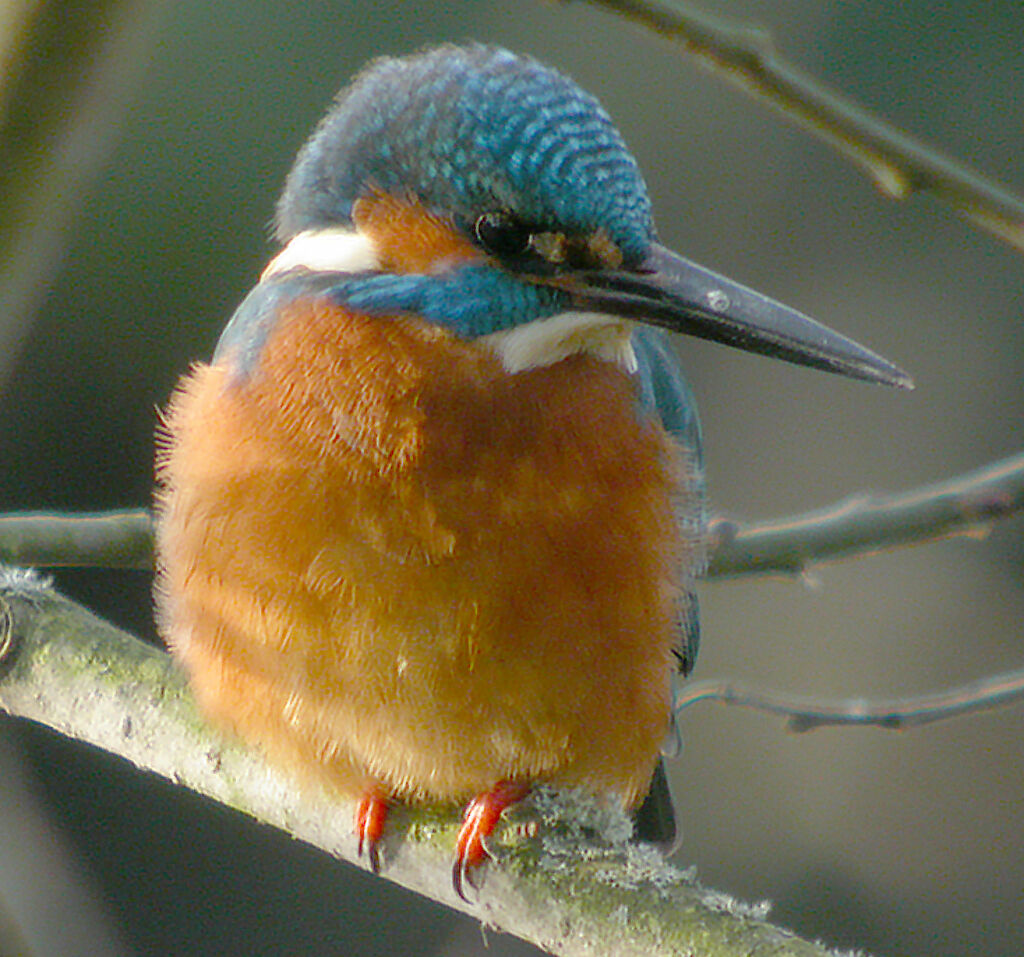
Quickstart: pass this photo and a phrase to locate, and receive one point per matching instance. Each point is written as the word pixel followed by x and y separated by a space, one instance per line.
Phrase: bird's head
pixel 490 194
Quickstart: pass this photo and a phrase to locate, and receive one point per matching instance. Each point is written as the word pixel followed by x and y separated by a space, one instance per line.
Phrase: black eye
pixel 502 235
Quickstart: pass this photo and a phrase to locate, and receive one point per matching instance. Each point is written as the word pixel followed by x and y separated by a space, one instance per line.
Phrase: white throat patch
pixel 544 342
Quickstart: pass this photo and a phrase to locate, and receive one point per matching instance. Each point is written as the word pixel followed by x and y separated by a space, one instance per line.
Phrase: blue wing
pixel 664 392
pixel 246 333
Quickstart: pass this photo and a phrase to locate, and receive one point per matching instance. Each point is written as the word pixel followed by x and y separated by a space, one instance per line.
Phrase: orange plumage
pixel 397 566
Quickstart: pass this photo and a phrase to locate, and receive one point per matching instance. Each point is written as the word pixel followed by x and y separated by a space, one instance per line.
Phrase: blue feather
pixel 467 130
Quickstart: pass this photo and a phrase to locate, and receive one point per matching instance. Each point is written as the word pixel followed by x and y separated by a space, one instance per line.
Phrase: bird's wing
pixel 664 391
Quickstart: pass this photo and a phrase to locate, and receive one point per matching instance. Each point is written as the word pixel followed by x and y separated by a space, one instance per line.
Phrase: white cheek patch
pixel 325 250
pixel 544 342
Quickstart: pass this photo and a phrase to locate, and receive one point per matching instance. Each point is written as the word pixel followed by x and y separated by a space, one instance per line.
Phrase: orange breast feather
pixel 389 562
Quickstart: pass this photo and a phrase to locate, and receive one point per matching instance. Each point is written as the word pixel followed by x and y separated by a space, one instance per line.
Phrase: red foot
pixel 370 817
pixel 478 823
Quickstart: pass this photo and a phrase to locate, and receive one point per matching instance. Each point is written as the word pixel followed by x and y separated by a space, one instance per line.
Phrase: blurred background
pixel 900 844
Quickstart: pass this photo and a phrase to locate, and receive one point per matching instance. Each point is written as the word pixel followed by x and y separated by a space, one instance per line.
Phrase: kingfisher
pixel 429 520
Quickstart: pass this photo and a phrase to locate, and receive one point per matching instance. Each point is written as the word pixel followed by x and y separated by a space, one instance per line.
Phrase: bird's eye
pixel 502 235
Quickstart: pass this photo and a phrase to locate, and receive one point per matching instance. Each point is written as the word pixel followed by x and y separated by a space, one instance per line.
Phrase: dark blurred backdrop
pixel 903 844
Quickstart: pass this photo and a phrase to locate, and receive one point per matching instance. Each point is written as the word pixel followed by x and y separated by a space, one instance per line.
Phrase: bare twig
pixel 115 539
pixel 897 714
pixel 898 163
pixel 577 887
pixel 966 504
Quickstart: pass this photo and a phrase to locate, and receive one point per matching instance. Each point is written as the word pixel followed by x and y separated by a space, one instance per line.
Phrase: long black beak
pixel 670 291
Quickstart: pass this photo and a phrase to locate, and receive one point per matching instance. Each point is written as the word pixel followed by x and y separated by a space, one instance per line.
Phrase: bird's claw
pixel 478 823
pixel 371 814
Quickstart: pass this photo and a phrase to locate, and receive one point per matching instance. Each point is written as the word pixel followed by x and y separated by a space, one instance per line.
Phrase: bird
pixel 430 518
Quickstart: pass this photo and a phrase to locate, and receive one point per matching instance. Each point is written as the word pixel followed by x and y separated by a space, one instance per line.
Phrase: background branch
pixel 896 714
pixel 967 504
pixel 122 538
pixel 898 163
pixel 570 889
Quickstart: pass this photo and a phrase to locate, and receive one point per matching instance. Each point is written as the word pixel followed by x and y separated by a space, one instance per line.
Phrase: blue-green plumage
pixel 470 133
pixel 471 129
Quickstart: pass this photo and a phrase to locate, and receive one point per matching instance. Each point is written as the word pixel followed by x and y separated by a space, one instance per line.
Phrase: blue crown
pixel 470 130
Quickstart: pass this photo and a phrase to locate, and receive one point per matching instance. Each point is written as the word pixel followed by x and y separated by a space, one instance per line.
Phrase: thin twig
pixel 115 539
pixel 896 714
pixel 967 504
pixel 898 163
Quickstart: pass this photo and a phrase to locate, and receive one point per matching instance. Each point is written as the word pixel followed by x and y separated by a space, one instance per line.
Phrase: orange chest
pixel 382 528
pixel 391 470
pixel 400 417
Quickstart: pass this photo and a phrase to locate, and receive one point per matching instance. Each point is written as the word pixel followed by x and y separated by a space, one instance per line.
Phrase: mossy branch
pixel 572 886
pixel 966 505
pixel 899 164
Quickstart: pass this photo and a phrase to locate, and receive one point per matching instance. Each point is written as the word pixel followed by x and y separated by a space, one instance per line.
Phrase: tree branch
pixel 115 539
pixel 896 714
pixel 572 886
pixel 965 505
pixel 898 163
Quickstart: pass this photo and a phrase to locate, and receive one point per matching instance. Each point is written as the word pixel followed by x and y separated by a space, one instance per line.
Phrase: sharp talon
pixel 371 814
pixel 478 823
pixel 458 876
